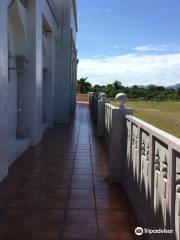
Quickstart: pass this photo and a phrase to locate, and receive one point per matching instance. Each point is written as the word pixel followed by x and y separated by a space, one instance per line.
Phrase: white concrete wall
pixel 65 80
pixel 3 90
pixel 17 39
pixel 63 77
pixel 51 76
pixel 27 27
pixel 35 69
pixel 73 79
pixel 25 39
pixel 12 84
pixel 73 21
pixel 48 77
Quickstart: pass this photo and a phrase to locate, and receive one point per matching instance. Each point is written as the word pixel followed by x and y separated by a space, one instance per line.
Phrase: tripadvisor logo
pixel 139 231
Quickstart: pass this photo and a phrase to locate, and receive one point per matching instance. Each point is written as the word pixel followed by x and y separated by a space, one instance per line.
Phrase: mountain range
pixel 177 86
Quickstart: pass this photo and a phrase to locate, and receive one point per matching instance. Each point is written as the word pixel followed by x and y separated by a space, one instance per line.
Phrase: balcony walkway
pixel 59 190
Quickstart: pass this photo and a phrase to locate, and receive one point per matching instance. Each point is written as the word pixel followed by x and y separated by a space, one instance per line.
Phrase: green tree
pixel 178 92
pixel 117 85
pixel 83 86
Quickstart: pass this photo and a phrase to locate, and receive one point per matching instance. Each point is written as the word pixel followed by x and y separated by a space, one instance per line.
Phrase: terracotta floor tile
pixel 80 231
pixel 9 182
pixel 81 177
pixel 108 204
pixel 108 192
pixel 13 231
pixel 55 183
pixel 48 215
pixel 82 164
pixel 112 216
pixel 100 178
pixel 34 183
pixel 82 193
pixel 82 171
pixel 25 198
pixel 44 231
pixel 82 184
pixel 6 195
pixel 114 232
pixel 54 193
pixel 81 203
pixel 56 203
pixel 102 172
pixel 60 189
pixel 80 216
pixel 16 215
pixel 83 157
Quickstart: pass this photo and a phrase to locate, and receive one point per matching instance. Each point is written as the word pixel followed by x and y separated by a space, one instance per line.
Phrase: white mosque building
pixel 38 68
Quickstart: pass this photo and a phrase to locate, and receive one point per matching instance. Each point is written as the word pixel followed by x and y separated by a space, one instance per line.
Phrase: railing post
pixel 94 106
pixel 118 143
pixel 90 100
pixel 101 115
pixel 118 140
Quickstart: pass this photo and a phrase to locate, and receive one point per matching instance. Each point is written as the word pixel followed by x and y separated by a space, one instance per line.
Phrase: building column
pixel 62 86
pixel 3 90
pixel 34 76
pixel 51 70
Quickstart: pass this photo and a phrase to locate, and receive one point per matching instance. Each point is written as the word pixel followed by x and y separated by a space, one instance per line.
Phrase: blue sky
pixel 134 41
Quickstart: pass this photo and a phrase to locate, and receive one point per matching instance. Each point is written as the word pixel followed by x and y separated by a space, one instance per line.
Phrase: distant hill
pixel 177 86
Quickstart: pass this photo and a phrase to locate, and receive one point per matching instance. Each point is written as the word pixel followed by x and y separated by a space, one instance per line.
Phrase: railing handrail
pixel 165 137
pixel 110 106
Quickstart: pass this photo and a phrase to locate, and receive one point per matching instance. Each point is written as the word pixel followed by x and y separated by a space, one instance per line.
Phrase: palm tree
pixel 83 86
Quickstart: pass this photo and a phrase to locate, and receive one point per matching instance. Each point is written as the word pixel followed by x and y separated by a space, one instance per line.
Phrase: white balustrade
pixel 146 160
pixel 153 175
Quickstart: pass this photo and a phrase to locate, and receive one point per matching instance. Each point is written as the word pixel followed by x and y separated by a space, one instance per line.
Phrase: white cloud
pixel 115 46
pixel 132 69
pixel 158 48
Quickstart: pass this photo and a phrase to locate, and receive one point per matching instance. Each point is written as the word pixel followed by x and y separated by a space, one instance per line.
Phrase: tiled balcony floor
pixel 59 190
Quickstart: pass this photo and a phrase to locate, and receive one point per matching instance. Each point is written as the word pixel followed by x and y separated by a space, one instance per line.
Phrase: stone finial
pixel 122 98
pixel 102 96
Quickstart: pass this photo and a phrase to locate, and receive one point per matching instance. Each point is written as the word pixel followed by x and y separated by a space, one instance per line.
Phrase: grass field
pixel 164 115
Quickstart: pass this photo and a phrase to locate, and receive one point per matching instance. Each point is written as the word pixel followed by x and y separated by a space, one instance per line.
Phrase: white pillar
pixel 50 78
pixel 3 90
pixel 34 78
pixel 62 86
pixel 118 143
